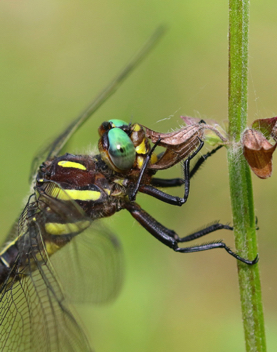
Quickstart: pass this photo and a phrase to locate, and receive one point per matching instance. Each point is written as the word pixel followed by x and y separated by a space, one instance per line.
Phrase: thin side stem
pixel 240 178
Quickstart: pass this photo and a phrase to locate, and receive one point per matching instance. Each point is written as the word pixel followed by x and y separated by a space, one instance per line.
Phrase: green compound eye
pixel 121 149
pixel 118 123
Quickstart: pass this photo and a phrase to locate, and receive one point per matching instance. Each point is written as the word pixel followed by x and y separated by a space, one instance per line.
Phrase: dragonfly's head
pixel 123 146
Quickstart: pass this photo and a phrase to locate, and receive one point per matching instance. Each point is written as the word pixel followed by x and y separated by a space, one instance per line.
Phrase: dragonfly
pixel 56 253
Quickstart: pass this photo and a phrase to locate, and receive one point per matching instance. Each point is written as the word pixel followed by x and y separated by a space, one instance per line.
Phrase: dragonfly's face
pixel 124 146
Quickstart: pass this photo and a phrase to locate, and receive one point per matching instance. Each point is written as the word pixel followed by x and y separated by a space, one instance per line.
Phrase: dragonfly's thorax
pixel 76 171
pixel 85 179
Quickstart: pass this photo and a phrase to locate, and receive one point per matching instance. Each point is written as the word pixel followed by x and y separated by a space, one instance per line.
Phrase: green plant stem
pixel 240 178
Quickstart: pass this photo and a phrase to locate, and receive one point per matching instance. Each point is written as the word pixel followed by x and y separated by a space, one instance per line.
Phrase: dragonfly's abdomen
pixel 8 256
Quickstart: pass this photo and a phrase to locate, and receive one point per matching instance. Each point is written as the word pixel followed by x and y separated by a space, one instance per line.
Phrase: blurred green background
pixel 55 57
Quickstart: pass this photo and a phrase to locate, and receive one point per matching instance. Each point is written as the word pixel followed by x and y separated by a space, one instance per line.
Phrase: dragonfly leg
pixel 162 196
pixel 170 182
pixel 202 159
pixel 158 182
pixel 175 182
pixel 171 239
pixel 167 198
pixel 132 195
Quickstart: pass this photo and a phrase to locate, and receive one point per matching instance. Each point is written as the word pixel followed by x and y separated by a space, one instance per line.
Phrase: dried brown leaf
pixel 266 126
pixel 258 151
pixel 179 144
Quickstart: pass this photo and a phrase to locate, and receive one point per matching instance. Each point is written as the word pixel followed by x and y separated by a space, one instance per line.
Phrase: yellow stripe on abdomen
pixel 51 247
pixel 58 229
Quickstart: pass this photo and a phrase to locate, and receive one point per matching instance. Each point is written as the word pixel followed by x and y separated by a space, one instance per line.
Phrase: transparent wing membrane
pixel 94 261
pixel 55 147
pixel 35 314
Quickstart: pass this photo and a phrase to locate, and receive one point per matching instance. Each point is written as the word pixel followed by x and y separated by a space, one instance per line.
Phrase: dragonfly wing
pixel 34 313
pixel 90 268
pixel 55 147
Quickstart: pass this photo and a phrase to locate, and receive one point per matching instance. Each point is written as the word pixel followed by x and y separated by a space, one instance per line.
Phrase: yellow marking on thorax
pixel 68 194
pixel 140 160
pixel 65 163
pixel 54 228
pixel 154 158
pixel 141 148
pixel 119 181
pixel 118 193
pixel 136 127
pixel 107 191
